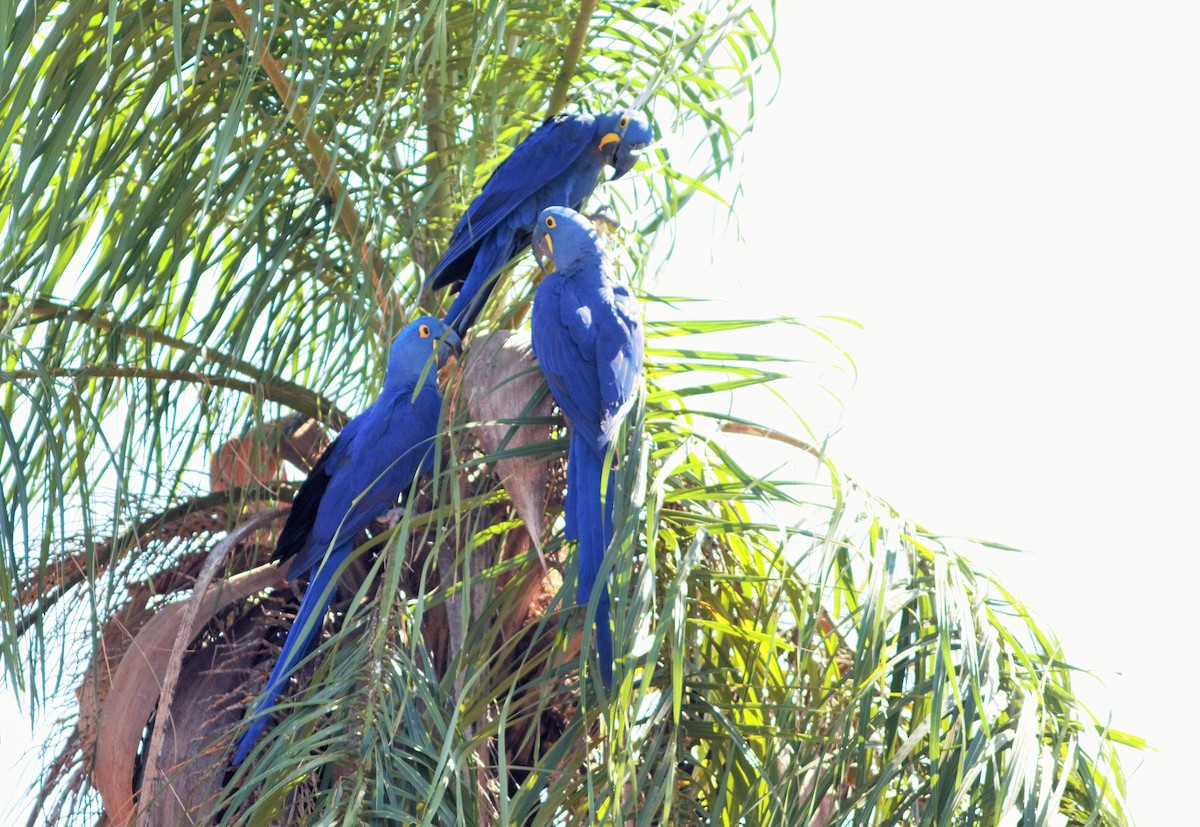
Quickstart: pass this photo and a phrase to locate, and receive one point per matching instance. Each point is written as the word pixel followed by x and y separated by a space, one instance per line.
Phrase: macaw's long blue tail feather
pixel 494 252
pixel 570 531
pixel 309 617
pixel 594 529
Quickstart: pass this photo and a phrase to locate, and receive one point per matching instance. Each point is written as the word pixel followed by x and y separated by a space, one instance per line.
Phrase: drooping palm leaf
pixel 206 207
pixel 212 218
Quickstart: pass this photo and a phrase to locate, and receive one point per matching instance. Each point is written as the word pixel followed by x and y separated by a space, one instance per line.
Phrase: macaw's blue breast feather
pixel 306 507
pixel 537 161
pixel 619 348
pixel 590 353
pixel 562 340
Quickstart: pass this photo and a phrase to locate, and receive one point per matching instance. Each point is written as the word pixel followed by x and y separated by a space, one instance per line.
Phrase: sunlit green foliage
pixel 213 217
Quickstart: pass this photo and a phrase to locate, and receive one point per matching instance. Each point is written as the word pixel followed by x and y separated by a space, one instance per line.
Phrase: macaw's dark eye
pixel 424 330
pixel 624 121
pixel 550 222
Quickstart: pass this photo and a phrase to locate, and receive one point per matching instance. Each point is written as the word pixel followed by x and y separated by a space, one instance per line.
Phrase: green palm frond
pixel 212 214
pixel 212 218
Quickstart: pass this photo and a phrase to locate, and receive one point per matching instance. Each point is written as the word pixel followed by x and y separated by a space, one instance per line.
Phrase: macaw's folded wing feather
pixel 534 163
pixel 307 502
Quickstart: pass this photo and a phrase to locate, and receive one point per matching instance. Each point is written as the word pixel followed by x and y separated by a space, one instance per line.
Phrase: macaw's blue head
pixel 565 237
pixel 623 133
pixel 421 338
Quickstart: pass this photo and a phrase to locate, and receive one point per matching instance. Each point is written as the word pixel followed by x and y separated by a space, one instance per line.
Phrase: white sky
pixel 1007 197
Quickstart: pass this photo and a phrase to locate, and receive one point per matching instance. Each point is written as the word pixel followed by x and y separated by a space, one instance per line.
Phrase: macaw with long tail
pixel 357 479
pixel 558 164
pixel 587 336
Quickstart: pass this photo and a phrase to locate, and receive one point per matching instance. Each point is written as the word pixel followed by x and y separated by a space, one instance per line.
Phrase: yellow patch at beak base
pixel 608 139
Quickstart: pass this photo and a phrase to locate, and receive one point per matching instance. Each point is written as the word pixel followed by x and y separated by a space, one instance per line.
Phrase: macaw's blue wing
pixel 563 340
pixel 294 537
pixel 619 347
pixel 591 355
pixel 534 163
pixel 373 463
pixel 356 480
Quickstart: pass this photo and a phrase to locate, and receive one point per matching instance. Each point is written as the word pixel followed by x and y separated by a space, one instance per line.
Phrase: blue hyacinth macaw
pixel 587 336
pixel 559 164
pixel 357 479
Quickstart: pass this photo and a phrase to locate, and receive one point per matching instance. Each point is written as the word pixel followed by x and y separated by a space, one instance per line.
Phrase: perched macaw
pixel 587 336
pixel 357 479
pixel 559 164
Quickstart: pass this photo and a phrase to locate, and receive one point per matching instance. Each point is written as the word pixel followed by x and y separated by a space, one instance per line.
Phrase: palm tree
pixel 214 217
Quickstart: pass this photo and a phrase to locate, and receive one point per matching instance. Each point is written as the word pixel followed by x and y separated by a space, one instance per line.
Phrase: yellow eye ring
pixel 550 222
pixel 424 331
pixel 624 121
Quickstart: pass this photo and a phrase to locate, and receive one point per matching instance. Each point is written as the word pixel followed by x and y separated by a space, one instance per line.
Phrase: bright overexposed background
pixel 1007 197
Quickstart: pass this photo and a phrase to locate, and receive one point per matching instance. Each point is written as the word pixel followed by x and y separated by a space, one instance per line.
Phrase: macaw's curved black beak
pixel 624 158
pixel 450 344
pixel 543 250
